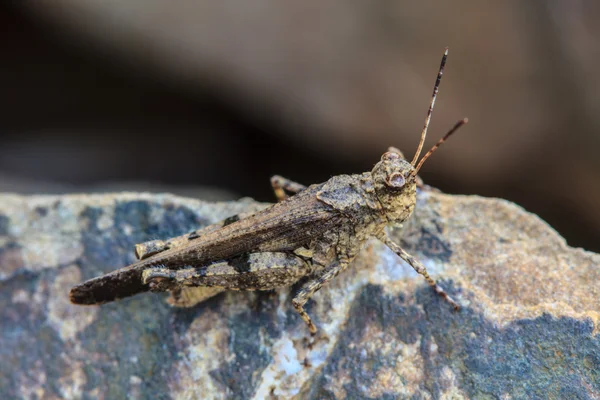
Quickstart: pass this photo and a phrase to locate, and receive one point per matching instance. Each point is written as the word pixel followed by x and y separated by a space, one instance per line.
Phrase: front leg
pixel 309 288
pixel 282 185
pixel 420 268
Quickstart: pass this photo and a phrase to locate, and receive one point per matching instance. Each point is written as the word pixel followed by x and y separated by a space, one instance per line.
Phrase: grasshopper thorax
pixel 395 186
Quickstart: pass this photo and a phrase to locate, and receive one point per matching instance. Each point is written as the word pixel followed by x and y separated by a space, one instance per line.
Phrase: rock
pixel 528 327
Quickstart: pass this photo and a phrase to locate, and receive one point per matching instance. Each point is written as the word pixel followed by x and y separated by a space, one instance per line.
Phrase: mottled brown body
pixel 314 234
pixel 308 239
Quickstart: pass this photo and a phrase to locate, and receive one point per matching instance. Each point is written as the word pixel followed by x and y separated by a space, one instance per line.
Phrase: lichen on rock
pixel 528 327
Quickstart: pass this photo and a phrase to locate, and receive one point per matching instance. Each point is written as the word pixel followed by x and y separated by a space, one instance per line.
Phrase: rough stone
pixel 528 327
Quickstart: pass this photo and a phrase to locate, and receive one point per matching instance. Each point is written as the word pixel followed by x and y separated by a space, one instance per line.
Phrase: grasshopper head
pixel 395 178
pixel 395 185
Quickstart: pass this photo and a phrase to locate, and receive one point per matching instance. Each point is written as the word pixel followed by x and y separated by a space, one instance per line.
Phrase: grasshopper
pixel 305 239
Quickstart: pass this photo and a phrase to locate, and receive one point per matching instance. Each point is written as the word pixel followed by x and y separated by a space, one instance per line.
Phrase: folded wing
pixel 283 226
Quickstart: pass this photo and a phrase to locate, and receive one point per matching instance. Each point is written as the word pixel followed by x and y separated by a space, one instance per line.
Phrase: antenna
pixel 439 143
pixel 436 88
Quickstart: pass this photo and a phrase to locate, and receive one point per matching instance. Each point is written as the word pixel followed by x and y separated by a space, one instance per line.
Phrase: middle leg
pixel 309 288
pixel 282 185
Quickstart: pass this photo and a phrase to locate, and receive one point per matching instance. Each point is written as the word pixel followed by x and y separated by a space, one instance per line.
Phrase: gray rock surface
pixel 528 327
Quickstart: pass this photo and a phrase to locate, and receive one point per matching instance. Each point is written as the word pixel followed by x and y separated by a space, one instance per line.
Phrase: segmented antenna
pixel 439 143
pixel 436 88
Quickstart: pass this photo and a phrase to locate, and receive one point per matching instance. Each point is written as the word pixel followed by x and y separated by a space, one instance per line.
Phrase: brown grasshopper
pixel 306 239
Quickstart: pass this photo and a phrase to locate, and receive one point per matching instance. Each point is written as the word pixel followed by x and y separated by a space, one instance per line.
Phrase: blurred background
pixel 212 98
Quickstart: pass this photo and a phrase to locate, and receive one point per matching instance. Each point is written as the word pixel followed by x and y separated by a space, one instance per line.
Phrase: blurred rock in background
pixel 227 93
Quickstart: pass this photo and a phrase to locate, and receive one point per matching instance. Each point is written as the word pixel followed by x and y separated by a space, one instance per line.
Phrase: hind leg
pixel 255 271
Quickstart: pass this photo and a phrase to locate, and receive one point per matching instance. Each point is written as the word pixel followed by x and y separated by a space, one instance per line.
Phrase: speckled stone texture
pixel 528 327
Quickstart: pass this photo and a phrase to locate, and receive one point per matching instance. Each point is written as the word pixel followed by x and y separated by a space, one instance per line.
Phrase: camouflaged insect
pixel 303 240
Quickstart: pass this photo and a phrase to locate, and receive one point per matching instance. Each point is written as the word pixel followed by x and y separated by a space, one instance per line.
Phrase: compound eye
pixel 390 156
pixel 395 180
